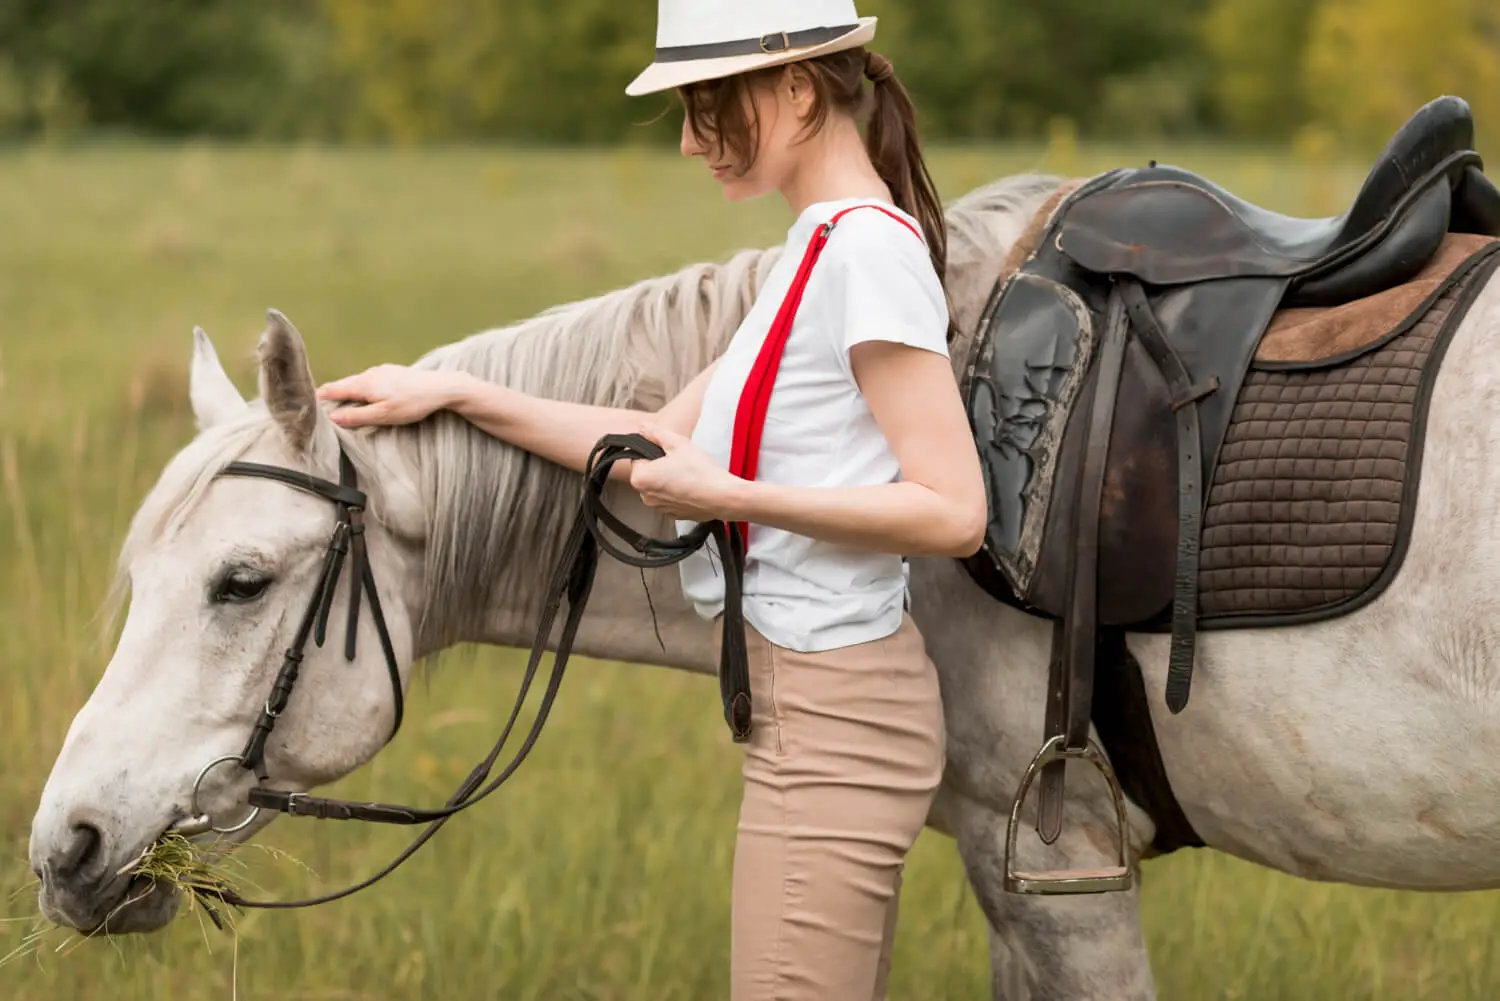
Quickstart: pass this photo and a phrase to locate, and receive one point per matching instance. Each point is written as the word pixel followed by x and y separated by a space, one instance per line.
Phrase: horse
pixel 1355 749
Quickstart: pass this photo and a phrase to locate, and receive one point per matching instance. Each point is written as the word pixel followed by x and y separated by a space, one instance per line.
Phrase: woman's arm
pixel 562 432
pixel 567 432
pixel 938 509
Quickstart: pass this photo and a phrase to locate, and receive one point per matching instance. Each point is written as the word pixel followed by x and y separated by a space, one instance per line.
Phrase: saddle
pixel 1105 377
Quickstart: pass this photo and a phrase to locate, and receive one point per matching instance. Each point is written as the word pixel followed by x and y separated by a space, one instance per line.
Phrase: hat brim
pixel 666 76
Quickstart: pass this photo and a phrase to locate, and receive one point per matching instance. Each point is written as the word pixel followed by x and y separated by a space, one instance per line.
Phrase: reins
pixel 572 581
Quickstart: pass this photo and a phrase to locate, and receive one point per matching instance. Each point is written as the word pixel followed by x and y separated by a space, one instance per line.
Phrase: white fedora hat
pixel 710 39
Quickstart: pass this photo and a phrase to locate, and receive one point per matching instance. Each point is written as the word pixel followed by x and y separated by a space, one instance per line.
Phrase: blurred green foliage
pixel 444 70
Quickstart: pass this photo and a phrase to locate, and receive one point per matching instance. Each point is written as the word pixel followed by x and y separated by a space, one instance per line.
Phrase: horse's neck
pixel 632 617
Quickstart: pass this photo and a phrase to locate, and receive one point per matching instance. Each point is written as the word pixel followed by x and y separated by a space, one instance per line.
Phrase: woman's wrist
pixel 468 395
pixel 731 498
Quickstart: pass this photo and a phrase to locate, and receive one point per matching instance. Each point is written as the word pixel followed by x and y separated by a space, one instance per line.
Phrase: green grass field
pixel 602 871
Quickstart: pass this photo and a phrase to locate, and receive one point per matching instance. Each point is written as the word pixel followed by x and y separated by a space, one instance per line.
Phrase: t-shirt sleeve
pixel 881 286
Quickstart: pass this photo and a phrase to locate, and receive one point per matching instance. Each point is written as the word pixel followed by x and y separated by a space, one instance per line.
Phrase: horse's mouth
pixel 147 904
pixel 130 903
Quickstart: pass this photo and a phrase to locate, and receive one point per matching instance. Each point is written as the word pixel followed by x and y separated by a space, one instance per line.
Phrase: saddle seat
pixel 1169 226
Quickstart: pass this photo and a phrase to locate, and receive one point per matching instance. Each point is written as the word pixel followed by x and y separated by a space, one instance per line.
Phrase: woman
pixel 865 456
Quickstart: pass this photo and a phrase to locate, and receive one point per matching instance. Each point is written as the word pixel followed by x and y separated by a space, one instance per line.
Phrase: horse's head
pixel 221 570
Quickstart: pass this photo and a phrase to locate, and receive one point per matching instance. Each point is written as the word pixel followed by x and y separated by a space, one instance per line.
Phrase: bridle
pixel 572 580
pixel 348 541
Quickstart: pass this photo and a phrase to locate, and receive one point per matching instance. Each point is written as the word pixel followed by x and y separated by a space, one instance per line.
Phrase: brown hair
pixel 717 113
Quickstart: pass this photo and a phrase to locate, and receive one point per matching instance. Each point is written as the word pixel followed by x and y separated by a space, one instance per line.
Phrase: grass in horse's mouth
pixel 204 873
pixel 205 876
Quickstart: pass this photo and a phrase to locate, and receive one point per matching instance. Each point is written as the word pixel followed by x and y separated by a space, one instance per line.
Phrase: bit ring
pixel 199 822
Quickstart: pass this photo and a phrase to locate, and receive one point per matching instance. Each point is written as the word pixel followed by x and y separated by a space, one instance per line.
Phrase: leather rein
pixel 572 581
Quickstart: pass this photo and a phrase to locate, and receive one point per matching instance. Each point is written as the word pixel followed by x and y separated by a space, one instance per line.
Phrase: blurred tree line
pixel 424 70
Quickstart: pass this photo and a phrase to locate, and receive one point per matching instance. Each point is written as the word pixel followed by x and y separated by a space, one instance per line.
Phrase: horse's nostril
pixel 81 850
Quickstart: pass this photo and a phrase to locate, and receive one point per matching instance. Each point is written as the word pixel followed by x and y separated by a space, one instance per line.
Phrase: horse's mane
pixel 496 514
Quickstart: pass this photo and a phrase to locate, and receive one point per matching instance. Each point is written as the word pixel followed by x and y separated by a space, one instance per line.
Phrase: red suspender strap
pixel 750 418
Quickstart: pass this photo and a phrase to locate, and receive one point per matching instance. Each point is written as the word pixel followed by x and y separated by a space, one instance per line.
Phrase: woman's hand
pixel 685 483
pixel 391 394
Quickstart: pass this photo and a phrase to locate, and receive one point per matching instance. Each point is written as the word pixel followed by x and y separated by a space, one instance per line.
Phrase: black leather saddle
pixel 1105 374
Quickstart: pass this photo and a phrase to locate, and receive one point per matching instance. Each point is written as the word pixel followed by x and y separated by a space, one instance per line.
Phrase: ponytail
pixel 896 151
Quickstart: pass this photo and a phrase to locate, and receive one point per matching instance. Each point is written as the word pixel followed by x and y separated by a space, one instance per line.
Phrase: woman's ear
pixel 797 86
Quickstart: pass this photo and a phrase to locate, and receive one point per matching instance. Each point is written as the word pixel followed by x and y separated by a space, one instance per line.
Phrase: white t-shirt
pixel 873 281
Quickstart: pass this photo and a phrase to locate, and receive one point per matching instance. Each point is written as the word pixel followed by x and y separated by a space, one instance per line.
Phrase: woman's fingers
pixel 660 434
pixel 350 388
pixel 386 394
pixel 355 417
pixel 669 439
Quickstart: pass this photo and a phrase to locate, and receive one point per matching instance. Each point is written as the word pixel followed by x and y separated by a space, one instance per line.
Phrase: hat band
pixel 780 41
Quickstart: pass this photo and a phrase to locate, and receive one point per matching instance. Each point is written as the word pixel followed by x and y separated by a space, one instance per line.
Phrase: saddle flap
pixel 1041 335
pixel 1137 530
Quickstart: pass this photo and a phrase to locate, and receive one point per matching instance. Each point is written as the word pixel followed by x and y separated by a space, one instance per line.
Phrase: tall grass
pixel 602 871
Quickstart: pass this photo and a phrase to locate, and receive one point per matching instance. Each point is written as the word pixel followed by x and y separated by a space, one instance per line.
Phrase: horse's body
pixel 1353 750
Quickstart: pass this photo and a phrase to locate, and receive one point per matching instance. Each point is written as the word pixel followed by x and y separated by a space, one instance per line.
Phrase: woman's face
pixel 780 106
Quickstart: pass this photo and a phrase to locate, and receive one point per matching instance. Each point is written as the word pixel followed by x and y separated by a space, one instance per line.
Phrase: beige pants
pixel 844 762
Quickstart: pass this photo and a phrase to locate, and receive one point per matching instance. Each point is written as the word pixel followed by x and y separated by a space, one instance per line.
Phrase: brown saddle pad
pixel 1301 336
pixel 1313 493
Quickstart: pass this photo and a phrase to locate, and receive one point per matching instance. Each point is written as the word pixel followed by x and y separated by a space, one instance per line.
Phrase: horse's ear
pixel 214 397
pixel 287 387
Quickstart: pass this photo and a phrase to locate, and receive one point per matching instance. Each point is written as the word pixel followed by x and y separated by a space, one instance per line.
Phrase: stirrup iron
pixel 1106 879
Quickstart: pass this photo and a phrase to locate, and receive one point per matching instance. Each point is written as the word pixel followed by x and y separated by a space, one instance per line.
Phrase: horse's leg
pixel 993 665
pixel 1062 948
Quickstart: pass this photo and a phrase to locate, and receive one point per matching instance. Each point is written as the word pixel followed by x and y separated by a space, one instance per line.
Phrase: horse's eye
pixel 240 586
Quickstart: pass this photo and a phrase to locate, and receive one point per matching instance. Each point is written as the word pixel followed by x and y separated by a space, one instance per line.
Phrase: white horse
pixel 1358 750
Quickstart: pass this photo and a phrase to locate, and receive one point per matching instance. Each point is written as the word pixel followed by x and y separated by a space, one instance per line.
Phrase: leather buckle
pixel 1196 393
pixel 1106 879
pixel 786 42
pixel 739 718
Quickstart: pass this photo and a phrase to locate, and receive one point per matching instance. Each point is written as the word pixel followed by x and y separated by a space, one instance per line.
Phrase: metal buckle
pixel 1107 879
pixel 786 42
pixel 292 799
